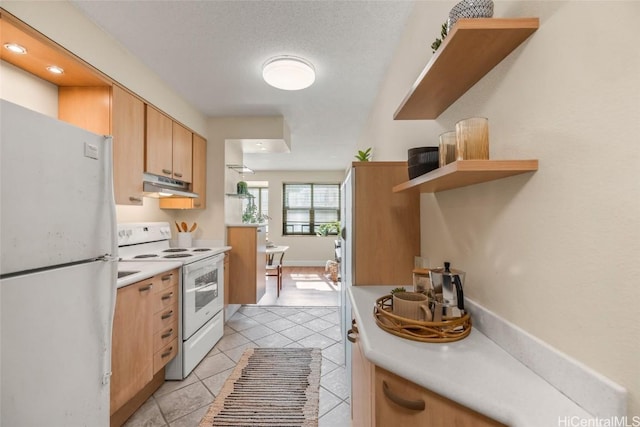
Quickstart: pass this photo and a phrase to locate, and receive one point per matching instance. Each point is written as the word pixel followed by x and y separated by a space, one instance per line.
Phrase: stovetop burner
pixel 146 256
pixel 176 250
pixel 177 255
pixel 201 250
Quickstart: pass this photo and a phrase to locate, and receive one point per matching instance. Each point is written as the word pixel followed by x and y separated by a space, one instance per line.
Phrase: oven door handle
pixel 207 286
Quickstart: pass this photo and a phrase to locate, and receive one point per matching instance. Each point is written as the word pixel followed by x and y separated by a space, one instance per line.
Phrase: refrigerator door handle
pixel 113 256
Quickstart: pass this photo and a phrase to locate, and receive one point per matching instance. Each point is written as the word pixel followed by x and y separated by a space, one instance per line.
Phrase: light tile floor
pixel 184 403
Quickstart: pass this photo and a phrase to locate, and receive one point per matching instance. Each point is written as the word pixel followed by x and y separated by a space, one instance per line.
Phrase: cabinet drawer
pixel 164 355
pixel 166 299
pixel 165 336
pixel 400 402
pixel 165 281
pixel 165 318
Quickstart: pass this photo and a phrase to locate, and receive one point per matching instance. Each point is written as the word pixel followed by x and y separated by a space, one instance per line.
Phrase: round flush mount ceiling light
pixel 288 73
pixel 15 48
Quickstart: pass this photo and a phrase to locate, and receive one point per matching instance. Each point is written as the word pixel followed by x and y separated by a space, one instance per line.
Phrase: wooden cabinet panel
pixel 361 388
pixel 247 262
pixel 128 146
pixel 396 223
pixel 165 336
pixel 167 281
pixel 182 153
pixel 164 300
pixel 199 183
pixel 164 355
pixel 392 406
pixel 86 107
pixel 131 364
pixel 159 143
pixel 165 318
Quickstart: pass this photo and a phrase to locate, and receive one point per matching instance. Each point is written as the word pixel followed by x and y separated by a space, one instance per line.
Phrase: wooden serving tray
pixel 416 330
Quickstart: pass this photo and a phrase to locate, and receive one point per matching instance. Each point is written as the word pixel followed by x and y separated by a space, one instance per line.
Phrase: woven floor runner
pixel 270 387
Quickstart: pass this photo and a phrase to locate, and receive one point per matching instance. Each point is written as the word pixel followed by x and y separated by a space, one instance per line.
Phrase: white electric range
pixel 201 299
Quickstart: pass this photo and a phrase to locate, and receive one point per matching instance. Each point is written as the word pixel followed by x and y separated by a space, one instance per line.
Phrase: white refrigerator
pixel 58 271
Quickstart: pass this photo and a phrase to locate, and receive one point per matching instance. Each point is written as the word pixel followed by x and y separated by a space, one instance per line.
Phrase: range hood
pixel 159 186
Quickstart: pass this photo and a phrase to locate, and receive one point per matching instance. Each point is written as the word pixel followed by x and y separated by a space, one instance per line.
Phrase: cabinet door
pixel 401 403
pixel 243 264
pixel 182 153
pixel 128 146
pixel 199 184
pixel 132 348
pixel 261 262
pixel 200 171
pixel 361 388
pixel 159 143
pixel 86 107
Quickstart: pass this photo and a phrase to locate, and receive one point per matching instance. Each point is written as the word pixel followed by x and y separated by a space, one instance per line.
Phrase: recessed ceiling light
pixel 15 48
pixel 55 69
pixel 288 73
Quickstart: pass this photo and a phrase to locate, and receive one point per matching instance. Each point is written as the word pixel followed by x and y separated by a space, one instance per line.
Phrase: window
pixel 306 207
pixel 256 209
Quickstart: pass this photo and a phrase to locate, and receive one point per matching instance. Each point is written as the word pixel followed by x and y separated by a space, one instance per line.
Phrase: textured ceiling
pixel 211 53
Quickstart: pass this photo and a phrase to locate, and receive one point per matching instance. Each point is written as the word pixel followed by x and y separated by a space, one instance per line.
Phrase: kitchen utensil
pixel 411 305
pixel 448 283
pixel 184 226
pixel 178 227
pixel 193 227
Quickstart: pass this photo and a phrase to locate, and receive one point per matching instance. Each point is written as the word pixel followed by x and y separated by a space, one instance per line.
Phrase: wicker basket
pixel 436 332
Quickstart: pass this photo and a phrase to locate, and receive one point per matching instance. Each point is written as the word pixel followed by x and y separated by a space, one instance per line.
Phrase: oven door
pixel 202 284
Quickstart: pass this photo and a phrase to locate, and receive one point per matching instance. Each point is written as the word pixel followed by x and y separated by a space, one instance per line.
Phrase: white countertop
pixel 474 371
pixel 144 270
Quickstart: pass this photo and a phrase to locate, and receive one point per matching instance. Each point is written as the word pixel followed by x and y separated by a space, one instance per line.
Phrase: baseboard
pixel 594 392
pixel 321 263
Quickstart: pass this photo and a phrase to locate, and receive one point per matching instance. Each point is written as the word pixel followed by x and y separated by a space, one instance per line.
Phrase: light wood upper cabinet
pixel 199 183
pixel 182 153
pixel 111 111
pixel 159 143
pixel 128 146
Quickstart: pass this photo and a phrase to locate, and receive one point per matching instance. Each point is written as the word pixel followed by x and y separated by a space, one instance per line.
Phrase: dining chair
pixel 275 270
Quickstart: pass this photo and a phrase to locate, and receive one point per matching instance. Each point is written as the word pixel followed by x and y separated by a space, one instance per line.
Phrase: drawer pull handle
pixel 167 296
pixel 354 326
pixel 178 174
pixel 414 405
pixel 167 315
pixel 167 353
pixel 167 334
pixel 145 288
pixel 167 171
pixel 167 277
pixel 197 204
pixel 135 199
pixel 349 337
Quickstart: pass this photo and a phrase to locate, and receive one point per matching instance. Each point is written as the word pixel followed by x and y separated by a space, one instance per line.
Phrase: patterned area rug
pixel 270 387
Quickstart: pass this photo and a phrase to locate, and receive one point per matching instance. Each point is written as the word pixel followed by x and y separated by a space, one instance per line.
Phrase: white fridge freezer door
pixel 56 202
pixel 56 346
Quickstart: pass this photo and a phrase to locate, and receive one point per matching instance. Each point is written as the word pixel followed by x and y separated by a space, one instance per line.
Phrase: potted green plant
pixel 328 228
pixel 252 216
pixel 364 156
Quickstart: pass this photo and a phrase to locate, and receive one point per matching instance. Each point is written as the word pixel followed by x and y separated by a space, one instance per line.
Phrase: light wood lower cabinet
pixel 247 260
pixel 381 398
pixel 145 339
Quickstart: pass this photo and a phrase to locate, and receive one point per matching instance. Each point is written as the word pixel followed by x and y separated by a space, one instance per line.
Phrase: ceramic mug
pixel 411 305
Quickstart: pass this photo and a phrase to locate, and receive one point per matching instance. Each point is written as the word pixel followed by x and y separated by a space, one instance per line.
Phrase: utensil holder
pixel 185 240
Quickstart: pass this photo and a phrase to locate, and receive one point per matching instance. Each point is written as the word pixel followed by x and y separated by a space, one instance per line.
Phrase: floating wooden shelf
pixel 472 49
pixel 467 172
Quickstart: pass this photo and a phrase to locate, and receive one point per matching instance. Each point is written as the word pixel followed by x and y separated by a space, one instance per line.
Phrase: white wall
pixel 22 88
pixel 556 252
pixel 303 250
